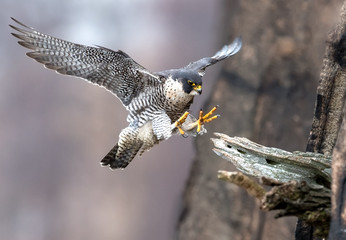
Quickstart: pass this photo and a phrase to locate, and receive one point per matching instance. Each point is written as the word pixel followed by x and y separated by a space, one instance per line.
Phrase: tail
pixel 119 159
pixel 124 151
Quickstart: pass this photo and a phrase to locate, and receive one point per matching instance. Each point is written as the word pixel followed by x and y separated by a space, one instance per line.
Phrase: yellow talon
pixel 181 130
pixel 210 113
pixel 211 119
pixel 201 120
pixel 180 121
pixel 206 118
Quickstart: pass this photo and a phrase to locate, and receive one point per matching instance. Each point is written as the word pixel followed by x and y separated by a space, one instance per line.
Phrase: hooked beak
pixel 198 89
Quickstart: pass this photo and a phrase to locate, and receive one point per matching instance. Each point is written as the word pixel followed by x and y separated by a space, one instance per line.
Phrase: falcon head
pixel 191 81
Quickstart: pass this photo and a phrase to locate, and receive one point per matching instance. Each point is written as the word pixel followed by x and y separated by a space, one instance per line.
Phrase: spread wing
pixel 225 52
pixel 114 70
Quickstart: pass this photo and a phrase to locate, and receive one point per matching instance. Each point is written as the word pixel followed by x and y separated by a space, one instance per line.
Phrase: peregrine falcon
pixel 157 102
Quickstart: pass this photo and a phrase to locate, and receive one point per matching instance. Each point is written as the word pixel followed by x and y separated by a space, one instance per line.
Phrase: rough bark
pixel 338 223
pixel 330 100
pixel 302 180
pixel 266 94
pixel 299 181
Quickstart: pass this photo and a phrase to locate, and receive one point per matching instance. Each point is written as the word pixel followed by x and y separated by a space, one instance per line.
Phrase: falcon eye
pixel 191 83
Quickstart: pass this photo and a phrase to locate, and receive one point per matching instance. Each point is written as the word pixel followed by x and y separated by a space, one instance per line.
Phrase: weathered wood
pixel 259 161
pixel 266 93
pixel 253 188
pixel 330 101
pixel 338 224
pixel 300 180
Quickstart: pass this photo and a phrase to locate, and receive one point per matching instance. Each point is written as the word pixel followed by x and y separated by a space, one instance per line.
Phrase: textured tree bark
pixel 330 101
pixel 266 93
pixel 338 223
pixel 299 181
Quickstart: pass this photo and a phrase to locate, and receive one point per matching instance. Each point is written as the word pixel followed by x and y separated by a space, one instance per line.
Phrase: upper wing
pixel 225 52
pixel 115 71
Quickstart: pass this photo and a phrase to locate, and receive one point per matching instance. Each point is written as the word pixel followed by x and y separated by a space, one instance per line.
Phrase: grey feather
pixel 114 70
pixel 125 150
pixel 225 52
pixel 154 100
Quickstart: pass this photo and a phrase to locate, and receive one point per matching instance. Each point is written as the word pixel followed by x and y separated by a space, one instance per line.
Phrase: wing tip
pixel 19 23
pixel 229 50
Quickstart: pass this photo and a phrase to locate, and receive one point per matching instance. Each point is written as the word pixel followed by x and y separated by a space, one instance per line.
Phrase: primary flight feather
pixel 157 102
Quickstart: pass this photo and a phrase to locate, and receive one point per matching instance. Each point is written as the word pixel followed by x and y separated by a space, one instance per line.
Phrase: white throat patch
pixel 174 92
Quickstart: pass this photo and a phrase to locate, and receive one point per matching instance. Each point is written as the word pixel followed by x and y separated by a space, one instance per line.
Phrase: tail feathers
pixel 120 157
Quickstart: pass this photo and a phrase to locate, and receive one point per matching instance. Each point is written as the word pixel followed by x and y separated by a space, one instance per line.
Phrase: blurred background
pixel 55 129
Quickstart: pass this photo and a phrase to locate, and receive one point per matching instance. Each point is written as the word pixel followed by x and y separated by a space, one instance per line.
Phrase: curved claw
pixel 184 135
pixel 198 123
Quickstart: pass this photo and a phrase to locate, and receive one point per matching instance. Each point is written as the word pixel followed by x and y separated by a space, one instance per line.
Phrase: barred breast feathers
pixel 145 106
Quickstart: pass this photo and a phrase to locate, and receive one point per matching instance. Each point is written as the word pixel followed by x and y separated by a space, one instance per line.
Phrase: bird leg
pixel 206 118
pixel 188 126
pixel 180 122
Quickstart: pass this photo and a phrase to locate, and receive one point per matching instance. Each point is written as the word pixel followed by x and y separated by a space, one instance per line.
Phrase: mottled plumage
pixel 155 101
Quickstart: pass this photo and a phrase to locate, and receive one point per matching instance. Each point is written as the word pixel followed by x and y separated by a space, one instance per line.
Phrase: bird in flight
pixel 158 102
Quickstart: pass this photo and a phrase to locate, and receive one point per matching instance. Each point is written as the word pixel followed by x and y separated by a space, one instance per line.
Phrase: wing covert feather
pixel 114 70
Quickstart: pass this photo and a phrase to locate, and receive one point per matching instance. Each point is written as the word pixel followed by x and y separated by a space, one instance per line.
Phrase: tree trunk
pixel 266 93
pixel 338 224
